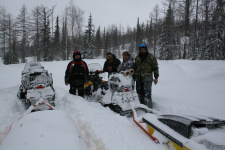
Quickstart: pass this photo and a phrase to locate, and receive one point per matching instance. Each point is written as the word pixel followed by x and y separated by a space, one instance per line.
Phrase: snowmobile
pixel 179 132
pixel 38 128
pixel 121 96
pixel 36 83
pixel 118 93
pixel 96 86
pixel 182 132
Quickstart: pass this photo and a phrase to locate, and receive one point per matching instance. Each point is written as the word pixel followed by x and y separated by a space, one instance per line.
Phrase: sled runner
pixel 179 130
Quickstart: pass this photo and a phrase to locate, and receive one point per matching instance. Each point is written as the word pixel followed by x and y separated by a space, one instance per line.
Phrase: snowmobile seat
pixel 183 124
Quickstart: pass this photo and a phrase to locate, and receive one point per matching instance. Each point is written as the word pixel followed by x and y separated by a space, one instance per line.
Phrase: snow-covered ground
pixel 185 87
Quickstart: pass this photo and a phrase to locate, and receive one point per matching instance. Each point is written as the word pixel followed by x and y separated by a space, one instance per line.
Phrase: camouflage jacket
pixel 145 68
pixel 126 65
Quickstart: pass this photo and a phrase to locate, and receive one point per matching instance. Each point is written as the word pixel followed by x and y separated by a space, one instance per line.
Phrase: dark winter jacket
pixel 144 66
pixel 77 72
pixel 126 65
pixel 115 63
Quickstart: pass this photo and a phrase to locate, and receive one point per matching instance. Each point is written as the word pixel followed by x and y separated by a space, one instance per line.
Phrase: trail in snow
pixel 193 87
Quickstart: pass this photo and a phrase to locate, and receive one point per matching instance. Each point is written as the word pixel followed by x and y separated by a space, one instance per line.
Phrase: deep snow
pixel 185 87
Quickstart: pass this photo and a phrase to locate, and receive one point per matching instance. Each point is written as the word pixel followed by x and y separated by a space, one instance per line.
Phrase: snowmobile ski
pixel 150 135
pixel 176 141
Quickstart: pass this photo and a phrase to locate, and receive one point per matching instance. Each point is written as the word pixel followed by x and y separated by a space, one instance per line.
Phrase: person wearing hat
pixel 111 63
pixel 76 74
pixel 145 66
pixel 128 62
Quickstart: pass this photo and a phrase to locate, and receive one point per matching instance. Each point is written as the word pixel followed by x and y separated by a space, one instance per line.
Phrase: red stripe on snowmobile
pixel 152 137
pixel 49 106
pixel 39 87
pixel 46 104
pixel 80 63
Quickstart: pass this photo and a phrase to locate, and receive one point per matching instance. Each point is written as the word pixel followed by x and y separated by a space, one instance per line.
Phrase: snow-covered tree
pixel 98 42
pixel 215 46
pixel 23 23
pixel 46 34
pixel 56 41
pixel 64 40
pixel 167 37
pixel 88 46
pixel 75 24
pixel 139 38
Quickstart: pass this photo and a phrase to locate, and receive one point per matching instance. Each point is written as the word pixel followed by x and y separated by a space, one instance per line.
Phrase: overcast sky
pixel 104 12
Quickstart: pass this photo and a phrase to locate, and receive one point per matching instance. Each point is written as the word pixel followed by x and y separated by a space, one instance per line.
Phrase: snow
pixel 42 127
pixel 184 87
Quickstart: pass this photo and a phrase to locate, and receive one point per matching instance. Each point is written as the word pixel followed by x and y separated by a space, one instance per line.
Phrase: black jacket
pixel 76 72
pixel 115 63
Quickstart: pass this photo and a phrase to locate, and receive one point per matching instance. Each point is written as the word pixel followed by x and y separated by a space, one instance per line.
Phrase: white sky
pixel 104 12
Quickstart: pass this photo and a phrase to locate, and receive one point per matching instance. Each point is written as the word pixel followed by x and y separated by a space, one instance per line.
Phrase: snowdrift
pixel 49 129
pixel 185 87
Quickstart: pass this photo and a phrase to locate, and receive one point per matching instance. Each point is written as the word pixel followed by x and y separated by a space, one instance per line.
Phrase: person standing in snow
pixel 128 62
pixel 111 63
pixel 145 65
pixel 77 74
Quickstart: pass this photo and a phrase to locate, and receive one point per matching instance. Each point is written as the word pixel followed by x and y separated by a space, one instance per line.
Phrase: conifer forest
pixel 184 29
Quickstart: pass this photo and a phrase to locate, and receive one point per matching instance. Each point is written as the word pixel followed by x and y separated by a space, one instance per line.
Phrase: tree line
pixel 184 29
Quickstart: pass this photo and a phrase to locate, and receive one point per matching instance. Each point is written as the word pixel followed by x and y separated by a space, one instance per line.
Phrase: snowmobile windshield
pixel 33 67
pixel 93 67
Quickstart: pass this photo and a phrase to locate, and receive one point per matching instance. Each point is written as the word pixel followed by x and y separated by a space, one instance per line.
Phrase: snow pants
pixel 144 90
pixel 75 88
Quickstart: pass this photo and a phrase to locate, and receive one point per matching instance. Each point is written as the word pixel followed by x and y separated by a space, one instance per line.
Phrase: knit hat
pixel 143 46
pixel 126 53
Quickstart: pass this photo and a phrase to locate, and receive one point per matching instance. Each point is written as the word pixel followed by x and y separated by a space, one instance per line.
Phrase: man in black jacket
pixel 111 63
pixel 77 74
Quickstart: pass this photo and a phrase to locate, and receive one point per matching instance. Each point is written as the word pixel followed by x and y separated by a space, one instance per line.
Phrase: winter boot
pixel 141 98
pixel 148 100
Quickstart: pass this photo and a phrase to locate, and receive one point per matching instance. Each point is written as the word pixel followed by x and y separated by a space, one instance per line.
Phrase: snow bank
pixel 185 87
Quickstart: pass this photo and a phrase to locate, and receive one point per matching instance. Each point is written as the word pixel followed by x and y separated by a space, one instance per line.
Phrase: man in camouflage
pixel 144 66
pixel 128 62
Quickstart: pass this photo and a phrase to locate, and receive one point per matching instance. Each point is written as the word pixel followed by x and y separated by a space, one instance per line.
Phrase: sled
pixel 179 129
pixel 43 127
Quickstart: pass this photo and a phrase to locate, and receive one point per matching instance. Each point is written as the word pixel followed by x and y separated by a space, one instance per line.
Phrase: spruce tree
pixel 98 42
pixel 88 46
pixel 139 38
pixel 56 41
pixel 167 38
pixel 216 45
